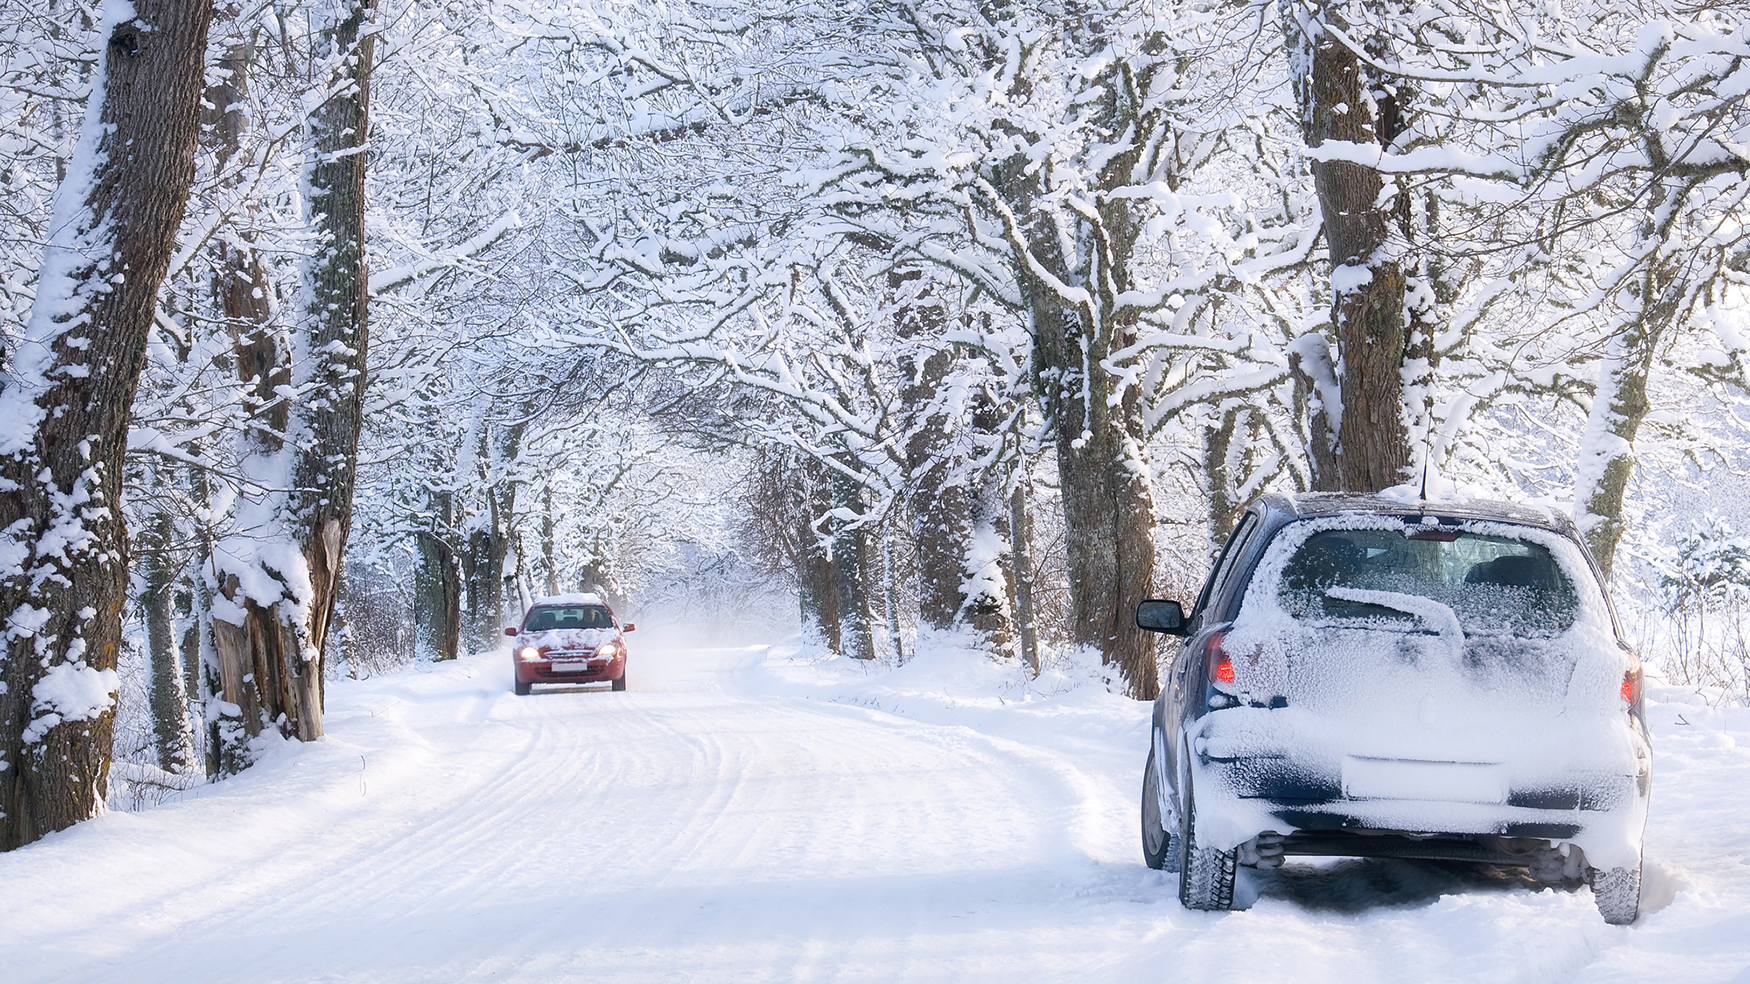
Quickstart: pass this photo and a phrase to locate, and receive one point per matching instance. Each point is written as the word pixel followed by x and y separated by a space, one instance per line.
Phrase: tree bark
pixel 817 579
pixel 1103 471
pixel 66 402
pixel 1108 510
pixel 269 650
pixel 437 578
pixel 1370 448
pixel 549 541
pixel 850 562
pixel 489 543
pixel 1607 455
pixel 336 342
pixel 986 570
pixel 169 700
pixel 437 598
pixel 1021 541
pixel 938 501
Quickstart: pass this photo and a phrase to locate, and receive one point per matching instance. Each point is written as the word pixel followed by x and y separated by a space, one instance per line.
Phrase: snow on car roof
pixel 1310 504
pixel 578 598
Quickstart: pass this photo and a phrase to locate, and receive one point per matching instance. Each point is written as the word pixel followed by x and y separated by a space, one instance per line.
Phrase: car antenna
pixel 1424 478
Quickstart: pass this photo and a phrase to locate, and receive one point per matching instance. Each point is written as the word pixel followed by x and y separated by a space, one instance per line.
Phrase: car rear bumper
pixel 1351 806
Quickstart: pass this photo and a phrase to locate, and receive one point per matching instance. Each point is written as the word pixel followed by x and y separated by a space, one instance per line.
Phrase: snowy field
pixel 743 815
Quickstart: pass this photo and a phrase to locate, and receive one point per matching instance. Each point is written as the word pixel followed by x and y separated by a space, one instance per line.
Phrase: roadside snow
pixel 767 815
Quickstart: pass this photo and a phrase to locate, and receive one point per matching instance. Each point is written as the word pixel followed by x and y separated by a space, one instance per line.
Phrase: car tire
pixel 521 688
pixel 1158 849
pixel 1618 893
pixel 620 684
pixel 1206 875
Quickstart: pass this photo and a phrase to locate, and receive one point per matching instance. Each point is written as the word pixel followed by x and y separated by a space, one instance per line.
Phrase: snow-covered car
pixel 1363 676
pixel 571 638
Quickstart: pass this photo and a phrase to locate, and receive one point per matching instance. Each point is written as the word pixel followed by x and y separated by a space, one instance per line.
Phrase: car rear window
pixel 547 618
pixel 1494 584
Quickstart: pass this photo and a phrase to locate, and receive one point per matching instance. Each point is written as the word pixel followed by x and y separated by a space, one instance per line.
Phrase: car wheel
pixel 620 684
pixel 1206 875
pixel 1618 893
pixel 521 688
pixel 1158 850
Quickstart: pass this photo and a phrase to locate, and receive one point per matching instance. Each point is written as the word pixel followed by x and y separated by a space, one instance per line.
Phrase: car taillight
pixel 1223 670
pixel 1221 666
pixel 1631 683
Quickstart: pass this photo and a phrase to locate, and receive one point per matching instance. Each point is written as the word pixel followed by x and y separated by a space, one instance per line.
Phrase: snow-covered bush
pixel 1706 593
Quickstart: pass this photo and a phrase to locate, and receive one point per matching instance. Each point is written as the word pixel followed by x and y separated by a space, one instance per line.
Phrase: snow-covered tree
pixel 65 401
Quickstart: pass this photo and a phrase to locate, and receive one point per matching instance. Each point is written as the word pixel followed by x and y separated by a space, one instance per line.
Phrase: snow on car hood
pixel 568 638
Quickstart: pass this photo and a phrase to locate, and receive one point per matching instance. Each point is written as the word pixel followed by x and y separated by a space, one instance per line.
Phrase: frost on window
pixel 1495 585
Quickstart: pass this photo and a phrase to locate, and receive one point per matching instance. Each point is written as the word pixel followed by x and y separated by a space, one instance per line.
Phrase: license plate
pixel 1451 782
pixel 571 666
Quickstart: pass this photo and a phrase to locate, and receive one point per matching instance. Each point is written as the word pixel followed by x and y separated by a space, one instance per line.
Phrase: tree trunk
pixel 437 580
pixel 263 363
pixel 1108 508
pixel 169 700
pixel 986 567
pixel 549 538
pixel 937 500
pixel 489 543
pixel 269 648
pixel 1021 542
pixel 1220 507
pixel 200 653
pixel 1620 403
pixel 850 561
pixel 817 580
pixel 1607 455
pixel 1369 449
pixel 437 597
pixel 1102 463
pixel 336 343
pixel 66 404
pixel 1108 513
pixel 890 596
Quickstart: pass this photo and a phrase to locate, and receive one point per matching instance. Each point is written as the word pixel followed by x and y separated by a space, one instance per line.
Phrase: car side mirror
pixel 510 630
pixel 1161 616
pixel 629 626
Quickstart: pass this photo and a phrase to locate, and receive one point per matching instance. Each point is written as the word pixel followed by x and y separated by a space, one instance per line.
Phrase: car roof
pixel 1308 505
pixel 581 598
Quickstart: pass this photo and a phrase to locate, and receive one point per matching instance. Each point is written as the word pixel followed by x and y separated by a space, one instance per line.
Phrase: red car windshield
pixel 547 618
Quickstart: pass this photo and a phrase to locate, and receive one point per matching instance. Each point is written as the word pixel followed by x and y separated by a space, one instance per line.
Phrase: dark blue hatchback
pixel 1372 677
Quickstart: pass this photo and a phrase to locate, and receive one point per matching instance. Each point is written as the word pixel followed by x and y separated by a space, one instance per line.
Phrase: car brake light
pixel 1221 667
pixel 1631 684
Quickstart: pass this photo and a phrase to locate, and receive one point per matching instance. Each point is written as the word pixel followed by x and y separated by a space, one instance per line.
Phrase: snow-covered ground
pixel 744 815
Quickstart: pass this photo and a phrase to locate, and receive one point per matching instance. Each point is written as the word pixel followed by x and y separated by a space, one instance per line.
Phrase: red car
pixel 569 639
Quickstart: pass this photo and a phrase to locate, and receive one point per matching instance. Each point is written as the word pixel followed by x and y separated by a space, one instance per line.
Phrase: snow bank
pixel 946 678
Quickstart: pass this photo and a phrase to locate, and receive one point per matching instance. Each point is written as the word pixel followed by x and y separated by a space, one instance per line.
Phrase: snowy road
pixel 742 818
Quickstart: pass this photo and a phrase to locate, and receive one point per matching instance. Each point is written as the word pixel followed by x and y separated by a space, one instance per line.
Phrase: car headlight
pixel 528 653
pixel 608 650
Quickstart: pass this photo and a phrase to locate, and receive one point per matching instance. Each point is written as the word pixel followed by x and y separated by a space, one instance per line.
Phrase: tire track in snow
pixel 706 836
